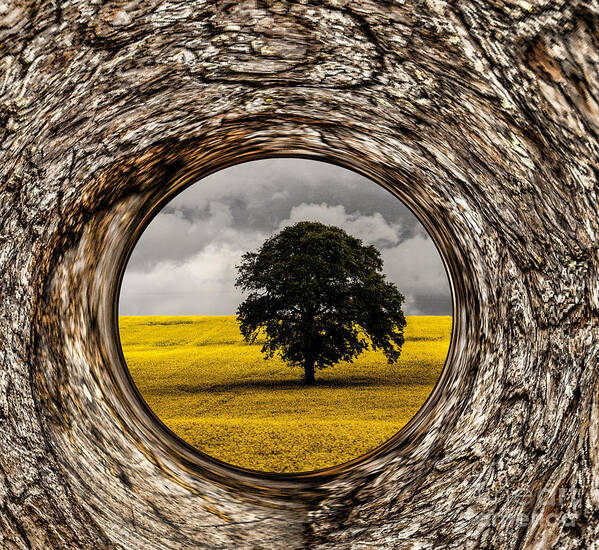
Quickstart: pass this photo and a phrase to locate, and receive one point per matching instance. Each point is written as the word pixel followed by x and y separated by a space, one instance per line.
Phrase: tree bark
pixel 309 373
pixel 482 116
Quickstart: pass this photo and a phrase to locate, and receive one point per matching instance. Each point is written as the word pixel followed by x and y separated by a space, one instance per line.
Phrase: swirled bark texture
pixel 482 115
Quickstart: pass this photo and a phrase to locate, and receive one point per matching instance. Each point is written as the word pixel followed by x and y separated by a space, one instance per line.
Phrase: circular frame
pixel 193 454
pixel 125 197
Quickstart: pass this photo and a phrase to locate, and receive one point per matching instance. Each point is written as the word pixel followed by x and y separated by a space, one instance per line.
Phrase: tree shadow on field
pixel 252 384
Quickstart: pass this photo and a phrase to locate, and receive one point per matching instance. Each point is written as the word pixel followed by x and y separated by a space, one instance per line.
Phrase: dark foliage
pixel 318 296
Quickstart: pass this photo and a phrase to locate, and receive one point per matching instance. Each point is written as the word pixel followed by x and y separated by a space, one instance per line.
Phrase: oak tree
pixel 318 296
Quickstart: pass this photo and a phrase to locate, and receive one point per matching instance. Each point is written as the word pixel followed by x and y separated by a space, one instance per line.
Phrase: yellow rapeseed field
pixel 218 393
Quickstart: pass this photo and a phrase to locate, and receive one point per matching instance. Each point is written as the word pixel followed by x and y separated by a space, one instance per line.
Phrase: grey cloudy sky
pixel 184 263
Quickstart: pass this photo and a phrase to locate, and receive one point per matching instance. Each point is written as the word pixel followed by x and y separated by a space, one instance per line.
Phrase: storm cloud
pixel 184 263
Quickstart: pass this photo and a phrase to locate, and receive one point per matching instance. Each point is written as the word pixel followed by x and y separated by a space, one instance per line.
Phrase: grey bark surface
pixel 483 116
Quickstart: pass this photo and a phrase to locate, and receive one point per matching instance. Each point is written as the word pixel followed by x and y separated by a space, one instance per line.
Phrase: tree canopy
pixel 318 296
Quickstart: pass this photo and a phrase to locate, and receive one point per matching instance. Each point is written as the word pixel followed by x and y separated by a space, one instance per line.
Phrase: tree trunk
pixel 481 115
pixel 309 378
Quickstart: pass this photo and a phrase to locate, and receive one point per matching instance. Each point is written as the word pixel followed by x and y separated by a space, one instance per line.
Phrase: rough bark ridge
pixel 482 115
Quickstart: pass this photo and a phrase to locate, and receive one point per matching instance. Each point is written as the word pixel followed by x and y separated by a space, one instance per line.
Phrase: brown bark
pixel 482 116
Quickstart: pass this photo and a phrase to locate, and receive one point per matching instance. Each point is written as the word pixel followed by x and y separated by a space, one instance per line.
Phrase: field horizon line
pixel 234 315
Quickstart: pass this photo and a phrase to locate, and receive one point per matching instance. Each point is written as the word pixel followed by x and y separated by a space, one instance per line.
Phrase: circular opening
pixel 185 325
